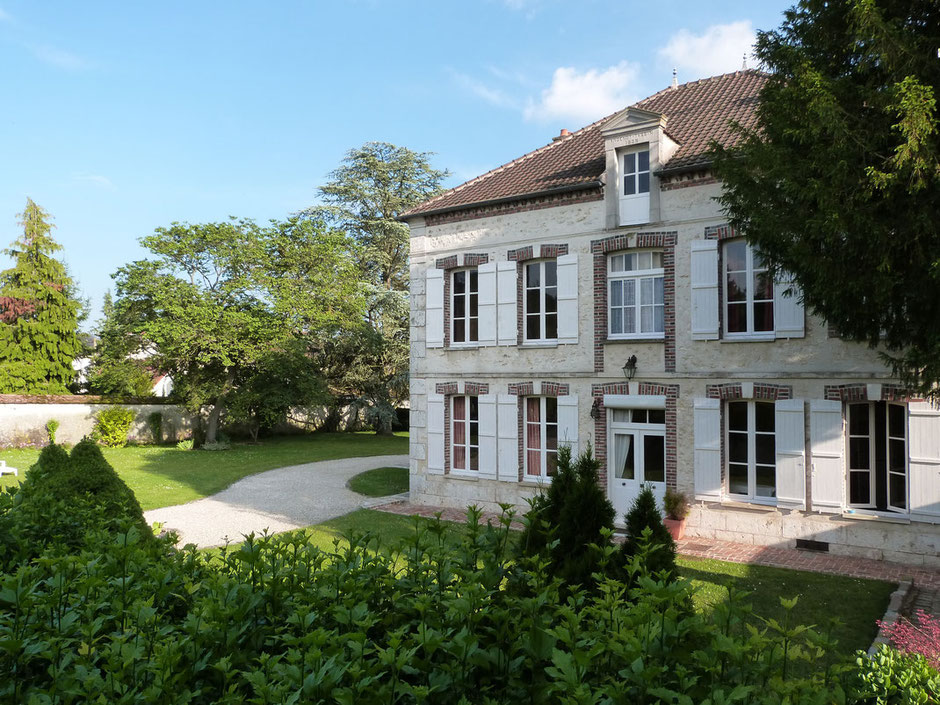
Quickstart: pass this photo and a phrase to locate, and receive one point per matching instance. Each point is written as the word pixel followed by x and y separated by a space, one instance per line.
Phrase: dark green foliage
pixel 278 620
pixel 643 517
pixel 568 521
pixel 155 424
pixel 39 342
pixel 843 166
pixel 62 498
pixel 112 426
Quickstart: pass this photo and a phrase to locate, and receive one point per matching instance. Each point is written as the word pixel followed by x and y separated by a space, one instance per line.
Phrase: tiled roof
pixel 697 113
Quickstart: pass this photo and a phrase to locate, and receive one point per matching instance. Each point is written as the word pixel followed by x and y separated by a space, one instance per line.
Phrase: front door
pixel 637 456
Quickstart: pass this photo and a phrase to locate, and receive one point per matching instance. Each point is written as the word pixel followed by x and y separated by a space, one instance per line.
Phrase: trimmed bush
pixel 155 424
pixel 644 515
pixel 112 426
pixel 52 426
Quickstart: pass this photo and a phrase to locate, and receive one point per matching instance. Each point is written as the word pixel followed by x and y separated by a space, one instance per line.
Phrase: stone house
pixel 591 292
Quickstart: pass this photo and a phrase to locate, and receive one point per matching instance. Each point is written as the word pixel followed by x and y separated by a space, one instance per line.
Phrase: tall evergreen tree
pixel 39 313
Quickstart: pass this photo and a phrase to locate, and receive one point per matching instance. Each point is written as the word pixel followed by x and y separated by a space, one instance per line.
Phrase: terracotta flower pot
pixel 675 527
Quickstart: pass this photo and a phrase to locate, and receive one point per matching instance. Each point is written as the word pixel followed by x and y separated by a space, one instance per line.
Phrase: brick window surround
pixel 520 256
pixel 527 389
pixel 469 259
pixel 859 392
pixel 762 391
pixel 450 389
pixel 670 391
pixel 665 241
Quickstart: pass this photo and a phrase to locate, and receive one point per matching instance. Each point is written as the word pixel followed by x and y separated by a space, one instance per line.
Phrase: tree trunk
pixel 383 427
pixel 212 427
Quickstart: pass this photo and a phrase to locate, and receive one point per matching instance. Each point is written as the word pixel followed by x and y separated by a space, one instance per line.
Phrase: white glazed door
pixel 637 457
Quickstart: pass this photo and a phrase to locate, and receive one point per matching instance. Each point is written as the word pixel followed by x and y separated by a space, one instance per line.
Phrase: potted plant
pixel 677 509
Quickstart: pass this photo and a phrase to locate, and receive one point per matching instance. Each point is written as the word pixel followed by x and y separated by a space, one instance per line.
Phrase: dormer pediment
pixel 630 120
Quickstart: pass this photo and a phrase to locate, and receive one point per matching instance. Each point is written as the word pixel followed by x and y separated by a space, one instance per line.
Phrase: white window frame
pixel 543 450
pixel 634 176
pixel 749 271
pixel 636 277
pixel 542 314
pixel 467 318
pixel 467 424
pixel 639 430
pixel 871 436
pixel 752 434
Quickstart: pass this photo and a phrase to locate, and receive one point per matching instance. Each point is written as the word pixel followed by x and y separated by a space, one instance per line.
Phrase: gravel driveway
pixel 277 500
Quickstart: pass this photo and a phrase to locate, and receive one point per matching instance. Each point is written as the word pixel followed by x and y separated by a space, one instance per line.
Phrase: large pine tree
pixel 39 313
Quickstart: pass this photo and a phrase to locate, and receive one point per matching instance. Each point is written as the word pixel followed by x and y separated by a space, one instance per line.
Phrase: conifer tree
pixel 39 321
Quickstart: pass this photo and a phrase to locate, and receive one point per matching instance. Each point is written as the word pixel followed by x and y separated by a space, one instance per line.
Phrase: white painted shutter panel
pixel 507 325
pixel 436 434
pixel 486 405
pixel 826 445
pixel 568 423
pixel 434 321
pixel 704 290
pixel 568 299
pixel 924 452
pixel 790 443
pixel 486 303
pixel 707 439
pixel 788 309
pixel 507 430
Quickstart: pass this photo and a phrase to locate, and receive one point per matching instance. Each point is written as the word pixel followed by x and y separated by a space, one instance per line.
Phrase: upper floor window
pixel 635 300
pixel 465 433
pixel 540 288
pixel 636 172
pixel 752 455
pixel 749 290
pixel 541 436
pixel 464 316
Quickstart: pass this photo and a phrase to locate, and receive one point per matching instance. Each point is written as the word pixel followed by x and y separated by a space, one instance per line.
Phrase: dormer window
pixel 635 194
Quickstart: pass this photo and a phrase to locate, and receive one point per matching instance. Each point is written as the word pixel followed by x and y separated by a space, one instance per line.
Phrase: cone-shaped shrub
pixel 645 514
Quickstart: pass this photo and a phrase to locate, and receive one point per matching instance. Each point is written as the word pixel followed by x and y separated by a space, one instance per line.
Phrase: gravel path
pixel 277 500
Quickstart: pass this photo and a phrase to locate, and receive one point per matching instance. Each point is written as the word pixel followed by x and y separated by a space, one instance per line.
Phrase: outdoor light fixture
pixel 629 367
pixel 596 409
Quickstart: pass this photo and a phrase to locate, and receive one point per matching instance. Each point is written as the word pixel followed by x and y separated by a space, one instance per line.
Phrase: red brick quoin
pixel 670 391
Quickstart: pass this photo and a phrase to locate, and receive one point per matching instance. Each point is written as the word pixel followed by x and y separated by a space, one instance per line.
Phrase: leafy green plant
pixel 155 424
pixel 186 444
pixel 888 677
pixel 644 515
pixel 52 425
pixel 676 504
pixel 112 425
pixel 216 446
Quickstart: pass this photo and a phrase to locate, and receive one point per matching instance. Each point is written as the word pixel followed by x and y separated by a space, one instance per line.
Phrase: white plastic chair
pixel 6 468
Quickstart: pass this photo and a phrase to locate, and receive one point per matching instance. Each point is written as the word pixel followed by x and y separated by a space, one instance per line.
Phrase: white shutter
pixel 487 410
pixel 507 430
pixel 568 299
pixel 826 445
pixel 790 443
pixel 707 440
pixel 434 297
pixel 507 325
pixel 486 303
pixel 436 434
pixel 568 423
pixel 924 453
pixel 704 290
pixel 788 309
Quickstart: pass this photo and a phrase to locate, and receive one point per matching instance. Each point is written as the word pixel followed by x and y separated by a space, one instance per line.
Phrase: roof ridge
pixel 517 160
pixel 698 81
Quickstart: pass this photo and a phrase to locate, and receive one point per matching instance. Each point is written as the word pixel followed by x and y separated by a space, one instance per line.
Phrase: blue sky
pixel 122 117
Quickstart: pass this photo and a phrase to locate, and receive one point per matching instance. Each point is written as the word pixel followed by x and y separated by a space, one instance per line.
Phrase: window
pixel 639 444
pixel 877 441
pixel 541 436
pixel 751 448
pixel 749 291
pixel 636 173
pixel 635 301
pixel 465 433
pixel 464 315
pixel 541 300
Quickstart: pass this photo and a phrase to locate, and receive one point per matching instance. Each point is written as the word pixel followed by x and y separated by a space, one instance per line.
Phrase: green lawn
pixel 162 475
pixel 380 482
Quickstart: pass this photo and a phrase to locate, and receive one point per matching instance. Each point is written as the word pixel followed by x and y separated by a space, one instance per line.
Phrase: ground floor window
pixel 751 450
pixel 541 436
pixel 639 442
pixel 877 455
pixel 465 433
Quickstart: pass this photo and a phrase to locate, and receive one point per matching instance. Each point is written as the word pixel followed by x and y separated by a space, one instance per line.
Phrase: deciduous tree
pixel 39 313
pixel 839 181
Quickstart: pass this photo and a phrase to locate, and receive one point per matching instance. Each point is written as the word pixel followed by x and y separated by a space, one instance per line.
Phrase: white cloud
pixel 96 179
pixel 583 97
pixel 719 49
pixel 493 96
pixel 60 58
